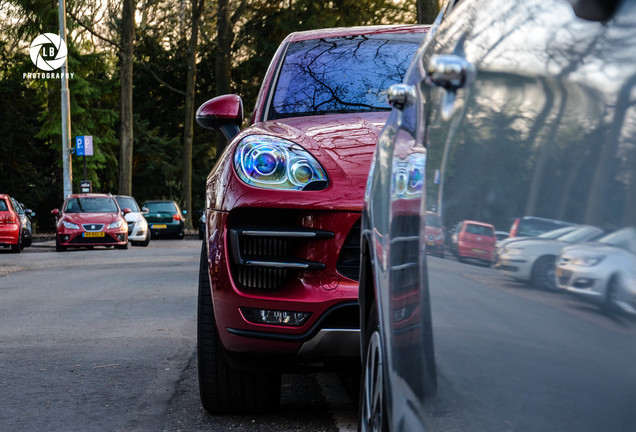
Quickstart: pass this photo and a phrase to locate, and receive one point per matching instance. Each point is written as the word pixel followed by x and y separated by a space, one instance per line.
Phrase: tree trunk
pixel 427 11
pixel 188 127
pixel 126 103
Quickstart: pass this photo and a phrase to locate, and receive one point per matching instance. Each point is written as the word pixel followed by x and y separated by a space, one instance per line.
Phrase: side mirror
pixel 55 212
pixel 224 113
pixel 144 210
pixel 126 210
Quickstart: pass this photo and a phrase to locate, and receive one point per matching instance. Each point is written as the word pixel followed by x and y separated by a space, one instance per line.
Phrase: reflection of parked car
pixel 604 271
pixel 138 232
pixel 90 220
pixel 519 106
pixel 502 235
pixel 546 235
pixel 10 228
pixel 475 240
pixel 533 260
pixel 435 242
pixel 531 226
pixel 280 262
pixel 25 215
pixel 165 218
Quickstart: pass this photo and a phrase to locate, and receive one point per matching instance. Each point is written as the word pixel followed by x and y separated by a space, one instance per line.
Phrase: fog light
pixel 583 283
pixel 65 237
pixel 268 316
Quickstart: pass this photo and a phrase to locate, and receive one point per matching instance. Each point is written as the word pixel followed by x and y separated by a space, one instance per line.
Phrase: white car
pixel 532 260
pixel 554 234
pixel 604 271
pixel 138 232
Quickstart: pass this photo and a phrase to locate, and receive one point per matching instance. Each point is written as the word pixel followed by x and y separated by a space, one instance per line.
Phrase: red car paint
pixel 476 240
pixel 9 224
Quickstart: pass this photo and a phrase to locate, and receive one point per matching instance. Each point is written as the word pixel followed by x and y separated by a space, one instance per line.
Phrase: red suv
pixel 476 240
pixel 280 261
pixel 10 230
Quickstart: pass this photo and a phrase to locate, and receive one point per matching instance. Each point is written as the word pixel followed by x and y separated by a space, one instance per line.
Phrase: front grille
pixel 349 259
pixel 93 227
pixel 93 240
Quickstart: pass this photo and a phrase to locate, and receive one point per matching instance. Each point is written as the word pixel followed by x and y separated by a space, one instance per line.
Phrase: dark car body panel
pixel 540 122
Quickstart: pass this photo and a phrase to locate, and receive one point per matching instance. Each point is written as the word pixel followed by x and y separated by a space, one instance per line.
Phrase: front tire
pixel 222 388
pixel 609 304
pixel 373 416
pixel 543 274
pixel 58 246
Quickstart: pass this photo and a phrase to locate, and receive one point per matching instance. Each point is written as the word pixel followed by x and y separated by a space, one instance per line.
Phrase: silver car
pixel 603 271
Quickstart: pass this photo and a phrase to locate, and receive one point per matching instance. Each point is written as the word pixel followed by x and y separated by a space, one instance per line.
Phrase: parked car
pixel 603 271
pixel 25 215
pixel 515 106
pixel 435 239
pixel 88 220
pixel 534 260
pixel 201 226
pixel 165 218
pixel 279 268
pixel 138 232
pixel 554 234
pixel 10 225
pixel 531 226
pixel 501 235
pixel 475 241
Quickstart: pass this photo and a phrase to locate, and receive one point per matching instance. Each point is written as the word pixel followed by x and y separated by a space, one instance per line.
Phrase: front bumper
pixel 292 261
pixel 79 238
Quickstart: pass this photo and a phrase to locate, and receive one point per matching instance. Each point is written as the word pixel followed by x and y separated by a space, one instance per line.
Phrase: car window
pixel 479 230
pixel 557 232
pixel 534 227
pixel 91 205
pixel 341 75
pixel 161 207
pixel 127 202
pixel 3 206
pixel 433 220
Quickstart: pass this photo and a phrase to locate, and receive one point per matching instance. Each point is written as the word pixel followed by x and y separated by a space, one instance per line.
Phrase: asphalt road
pixel 105 340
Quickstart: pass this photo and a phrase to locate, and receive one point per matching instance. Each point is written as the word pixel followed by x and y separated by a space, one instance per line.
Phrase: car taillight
pixel 176 217
pixel 10 218
pixel 513 229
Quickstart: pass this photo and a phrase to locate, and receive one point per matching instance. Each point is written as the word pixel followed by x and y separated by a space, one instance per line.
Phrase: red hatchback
pixel 90 220
pixel 278 284
pixel 476 240
pixel 10 231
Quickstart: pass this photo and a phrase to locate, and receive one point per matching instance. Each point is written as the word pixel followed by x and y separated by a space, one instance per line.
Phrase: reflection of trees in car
pixel 367 66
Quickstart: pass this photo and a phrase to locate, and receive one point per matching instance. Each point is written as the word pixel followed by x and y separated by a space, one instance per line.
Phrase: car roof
pixel 355 31
pixel 90 195
pixel 472 222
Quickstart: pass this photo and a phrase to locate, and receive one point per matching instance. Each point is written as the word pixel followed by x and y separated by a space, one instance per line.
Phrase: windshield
pixel 581 234
pixel 624 238
pixel 91 205
pixel 341 75
pixel 433 220
pixel 557 232
pixel 160 207
pixel 127 202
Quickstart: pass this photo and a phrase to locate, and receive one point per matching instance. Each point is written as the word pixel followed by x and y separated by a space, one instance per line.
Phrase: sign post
pixel 84 147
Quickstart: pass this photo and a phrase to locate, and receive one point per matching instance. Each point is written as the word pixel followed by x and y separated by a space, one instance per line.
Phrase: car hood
pixel 133 217
pixel 584 249
pixel 85 218
pixel 539 245
pixel 343 143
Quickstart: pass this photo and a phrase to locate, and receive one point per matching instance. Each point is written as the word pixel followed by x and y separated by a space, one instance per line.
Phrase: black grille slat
pixel 349 259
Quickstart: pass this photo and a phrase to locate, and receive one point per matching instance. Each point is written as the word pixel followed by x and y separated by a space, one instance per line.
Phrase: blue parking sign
pixel 79 146
pixel 84 145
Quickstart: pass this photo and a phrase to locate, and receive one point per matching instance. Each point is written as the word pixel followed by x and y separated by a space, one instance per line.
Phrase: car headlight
pixel 116 224
pixel 276 163
pixel 588 261
pixel 70 225
pixel 513 251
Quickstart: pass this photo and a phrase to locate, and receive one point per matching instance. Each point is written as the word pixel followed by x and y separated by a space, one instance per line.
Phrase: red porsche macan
pixel 278 283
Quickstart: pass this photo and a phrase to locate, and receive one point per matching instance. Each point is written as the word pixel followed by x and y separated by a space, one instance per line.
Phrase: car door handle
pixel 450 72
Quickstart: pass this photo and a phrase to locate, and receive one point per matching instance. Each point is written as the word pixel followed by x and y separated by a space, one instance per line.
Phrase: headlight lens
pixel 588 261
pixel 116 224
pixel 70 225
pixel 513 251
pixel 275 163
